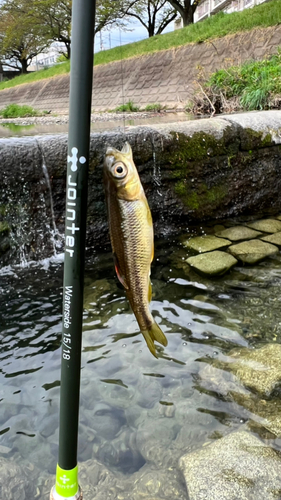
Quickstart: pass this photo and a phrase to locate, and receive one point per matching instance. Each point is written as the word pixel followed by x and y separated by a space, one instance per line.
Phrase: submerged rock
pixel 266 225
pixel 264 414
pixel 206 243
pixel 238 466
pixel 237 233
pixel 252 251
pixel 212 263
pixel 17 482
pixel 257 369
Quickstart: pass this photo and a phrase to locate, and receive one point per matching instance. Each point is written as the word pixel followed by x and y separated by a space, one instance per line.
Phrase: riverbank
pixel 53 118
pixel 166 77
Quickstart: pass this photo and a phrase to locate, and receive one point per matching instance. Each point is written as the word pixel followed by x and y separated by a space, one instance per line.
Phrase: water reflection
pixel 135 410
pixel 8 129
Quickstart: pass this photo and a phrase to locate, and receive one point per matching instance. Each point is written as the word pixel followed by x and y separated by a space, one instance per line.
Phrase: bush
pixel 129 106
pixel 16 111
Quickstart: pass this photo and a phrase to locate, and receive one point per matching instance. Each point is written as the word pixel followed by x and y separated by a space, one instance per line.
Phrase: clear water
pixel 134 409
pixel 16 130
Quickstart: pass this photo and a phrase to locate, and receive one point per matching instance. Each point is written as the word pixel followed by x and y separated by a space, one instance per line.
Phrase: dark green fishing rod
pixel 82 40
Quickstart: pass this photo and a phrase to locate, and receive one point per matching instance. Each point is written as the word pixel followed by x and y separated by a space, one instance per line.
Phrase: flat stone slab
pixel 252 251
pixel 237 233
pixel 266 225
pixel 212 263
pixel 206 243
pixel 275 239
pixel 238 466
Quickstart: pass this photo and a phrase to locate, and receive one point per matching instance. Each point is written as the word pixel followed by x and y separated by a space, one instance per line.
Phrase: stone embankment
pixel 166 77
pixel 191 171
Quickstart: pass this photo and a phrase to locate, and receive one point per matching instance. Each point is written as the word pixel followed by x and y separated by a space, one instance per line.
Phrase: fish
pixel 132 238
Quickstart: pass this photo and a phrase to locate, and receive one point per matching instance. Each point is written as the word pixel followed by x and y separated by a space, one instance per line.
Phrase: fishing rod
pixel 81 74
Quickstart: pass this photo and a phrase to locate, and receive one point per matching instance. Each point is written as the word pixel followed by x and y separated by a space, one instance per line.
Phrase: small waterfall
pixel 14 219
pixel 28 230
pixel 55 238
pixel 156 173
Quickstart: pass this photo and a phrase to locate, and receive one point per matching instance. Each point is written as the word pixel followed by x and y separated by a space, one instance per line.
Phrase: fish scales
pixel 131 234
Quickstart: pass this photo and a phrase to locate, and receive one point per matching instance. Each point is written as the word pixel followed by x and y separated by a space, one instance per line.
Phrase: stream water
pixel 11 129
pixel 134 409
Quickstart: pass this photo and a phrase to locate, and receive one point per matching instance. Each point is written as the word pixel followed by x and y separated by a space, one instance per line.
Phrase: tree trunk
pixel 24 66
pixel 188 17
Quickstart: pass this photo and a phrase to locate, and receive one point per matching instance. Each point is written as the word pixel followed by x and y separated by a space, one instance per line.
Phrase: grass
pixel 264 15
pixel 16 111
pixel 254 82
pixel 154 107
pixel 127 107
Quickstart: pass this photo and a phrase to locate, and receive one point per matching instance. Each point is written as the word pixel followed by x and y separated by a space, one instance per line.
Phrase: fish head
pixel 120 173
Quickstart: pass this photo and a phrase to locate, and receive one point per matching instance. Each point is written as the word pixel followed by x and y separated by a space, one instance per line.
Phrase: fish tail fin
pixel 154 333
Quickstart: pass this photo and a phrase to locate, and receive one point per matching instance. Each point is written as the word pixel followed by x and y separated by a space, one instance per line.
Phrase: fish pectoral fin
pixel 120 276
pixel 152 334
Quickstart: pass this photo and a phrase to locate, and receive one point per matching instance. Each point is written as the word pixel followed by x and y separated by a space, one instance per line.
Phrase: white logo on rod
pixel 74 159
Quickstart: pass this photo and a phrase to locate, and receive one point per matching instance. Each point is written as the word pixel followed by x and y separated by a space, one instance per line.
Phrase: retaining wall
pixel 191 171
pixel 165 77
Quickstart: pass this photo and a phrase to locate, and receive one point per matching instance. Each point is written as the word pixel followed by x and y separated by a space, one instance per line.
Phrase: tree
pixel 54 17
pixel 186 9
pixel 154 15
pixel 21 38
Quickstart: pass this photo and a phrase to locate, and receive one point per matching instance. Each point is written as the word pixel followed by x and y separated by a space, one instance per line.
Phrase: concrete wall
pixel 165 77
pixel 191 171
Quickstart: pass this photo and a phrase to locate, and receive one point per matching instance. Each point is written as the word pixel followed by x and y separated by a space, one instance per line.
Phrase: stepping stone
pixel 206 243
pixel 212 263
pixel 237 466
pixel 252 251
pixel 275 239
pixel 266 225
pixel 237 233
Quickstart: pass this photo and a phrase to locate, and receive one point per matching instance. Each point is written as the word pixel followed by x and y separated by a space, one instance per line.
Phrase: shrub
pixel 16 111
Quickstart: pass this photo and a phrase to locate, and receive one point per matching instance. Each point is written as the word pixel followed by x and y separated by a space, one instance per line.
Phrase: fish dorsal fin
pixel 127 150
pixel 120 276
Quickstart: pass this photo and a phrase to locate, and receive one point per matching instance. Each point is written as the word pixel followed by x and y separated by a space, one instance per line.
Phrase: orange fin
pixel 149 292
pixel 154 333
pixel 120 276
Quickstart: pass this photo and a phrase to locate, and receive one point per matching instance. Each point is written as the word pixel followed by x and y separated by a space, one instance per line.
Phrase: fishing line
pixel 122 81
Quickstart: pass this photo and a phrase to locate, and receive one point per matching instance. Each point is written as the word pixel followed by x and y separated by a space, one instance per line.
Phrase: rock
pixel 275 239
pixel 237 233
pixel 252 251
pixel 257 369
pixel 212 263
pixel 266 225
pixel 264 414
pixel 206 243
pixel 238 466
pixel 16 482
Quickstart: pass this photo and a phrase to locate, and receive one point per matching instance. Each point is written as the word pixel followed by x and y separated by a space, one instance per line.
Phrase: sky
pixel 112 38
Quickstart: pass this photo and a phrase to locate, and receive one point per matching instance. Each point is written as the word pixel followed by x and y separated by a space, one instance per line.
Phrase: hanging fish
pixel 131 234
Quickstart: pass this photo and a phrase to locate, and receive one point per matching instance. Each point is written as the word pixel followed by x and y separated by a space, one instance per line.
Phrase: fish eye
pixel 120 170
